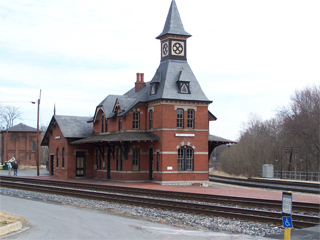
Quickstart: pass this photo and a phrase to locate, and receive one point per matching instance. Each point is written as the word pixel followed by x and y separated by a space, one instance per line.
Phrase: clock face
pixel 165 49
pixel 177 48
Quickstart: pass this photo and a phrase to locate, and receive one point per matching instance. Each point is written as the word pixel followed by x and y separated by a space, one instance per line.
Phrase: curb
pixel 10 228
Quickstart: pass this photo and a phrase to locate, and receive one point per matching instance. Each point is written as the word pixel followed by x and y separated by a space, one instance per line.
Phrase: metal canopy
pixel 215 141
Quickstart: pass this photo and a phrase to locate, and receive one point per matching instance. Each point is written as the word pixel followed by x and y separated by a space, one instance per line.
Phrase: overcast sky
pixel 248 56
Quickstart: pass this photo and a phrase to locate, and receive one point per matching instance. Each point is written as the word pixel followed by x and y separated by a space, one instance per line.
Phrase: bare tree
pixel 8 114
pixel 296 127
pixel 301 121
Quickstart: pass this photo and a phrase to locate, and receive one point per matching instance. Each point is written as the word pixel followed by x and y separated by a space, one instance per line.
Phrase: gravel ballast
pixel 216 224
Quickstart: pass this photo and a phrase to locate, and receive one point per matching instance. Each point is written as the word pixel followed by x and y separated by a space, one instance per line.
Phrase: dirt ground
pixel 6 218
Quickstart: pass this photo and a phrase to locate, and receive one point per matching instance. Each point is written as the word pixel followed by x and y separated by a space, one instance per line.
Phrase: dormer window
pixel 153 89
pixel 183 83
pixel 184 87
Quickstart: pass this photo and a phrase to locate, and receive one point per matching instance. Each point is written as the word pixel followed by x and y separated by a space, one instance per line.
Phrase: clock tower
pixel 173 37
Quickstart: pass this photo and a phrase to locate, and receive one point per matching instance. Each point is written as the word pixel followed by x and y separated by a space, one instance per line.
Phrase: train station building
pixel 157 131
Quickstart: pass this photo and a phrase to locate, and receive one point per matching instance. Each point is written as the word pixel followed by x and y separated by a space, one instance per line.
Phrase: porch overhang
pixel 215 141
pixel 119 137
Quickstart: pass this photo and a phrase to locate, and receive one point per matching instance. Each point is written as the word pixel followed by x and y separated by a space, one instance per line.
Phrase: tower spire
pixel 173 23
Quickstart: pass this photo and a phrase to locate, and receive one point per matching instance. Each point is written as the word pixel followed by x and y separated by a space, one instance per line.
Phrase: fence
pixel 294 175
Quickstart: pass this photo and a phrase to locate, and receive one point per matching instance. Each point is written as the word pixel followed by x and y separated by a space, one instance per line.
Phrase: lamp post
pixel 38 136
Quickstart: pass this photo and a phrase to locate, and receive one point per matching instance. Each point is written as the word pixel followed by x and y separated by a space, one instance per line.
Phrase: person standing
pixel 9 168
pixel 15 168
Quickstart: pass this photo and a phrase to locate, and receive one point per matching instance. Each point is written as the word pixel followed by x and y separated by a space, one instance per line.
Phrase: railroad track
pixel 284 185
pixel 207 198
pixel 146 200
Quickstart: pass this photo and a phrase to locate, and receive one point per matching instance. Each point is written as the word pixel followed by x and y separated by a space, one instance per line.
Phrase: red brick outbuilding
pixel 20 142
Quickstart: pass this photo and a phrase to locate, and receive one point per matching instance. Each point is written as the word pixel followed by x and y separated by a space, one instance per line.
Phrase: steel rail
pixel 300 221
pixel 220 199
pixel 294 186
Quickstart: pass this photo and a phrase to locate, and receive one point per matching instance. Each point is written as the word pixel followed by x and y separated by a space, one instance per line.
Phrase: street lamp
pixel 38 136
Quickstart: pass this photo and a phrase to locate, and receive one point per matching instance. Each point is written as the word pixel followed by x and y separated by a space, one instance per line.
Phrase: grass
pixel 224 174
pixel 6 219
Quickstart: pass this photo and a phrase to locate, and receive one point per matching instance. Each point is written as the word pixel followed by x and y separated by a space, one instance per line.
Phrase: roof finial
pixel 54 109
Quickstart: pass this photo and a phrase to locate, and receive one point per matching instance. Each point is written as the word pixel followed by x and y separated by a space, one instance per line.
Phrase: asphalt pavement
pixel 54 220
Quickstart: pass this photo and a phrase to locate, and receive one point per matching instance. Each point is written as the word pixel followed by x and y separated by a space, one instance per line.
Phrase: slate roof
pixel 22 128
pixel 70 126
pixel 73 126
pixel 173 23
pixel 166 78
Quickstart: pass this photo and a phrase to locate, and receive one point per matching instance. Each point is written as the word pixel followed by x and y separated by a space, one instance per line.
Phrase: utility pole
pixel 38 137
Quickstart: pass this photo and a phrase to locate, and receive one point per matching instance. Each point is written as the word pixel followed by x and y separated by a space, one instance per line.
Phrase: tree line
pixel 290 140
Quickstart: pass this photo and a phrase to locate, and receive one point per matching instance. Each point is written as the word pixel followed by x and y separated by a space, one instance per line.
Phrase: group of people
pixel 14 166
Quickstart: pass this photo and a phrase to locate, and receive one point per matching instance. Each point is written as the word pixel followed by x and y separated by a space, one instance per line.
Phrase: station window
pixel 57 156
pixel 150 119
pixel 185 159
pixel 136 121
pixel 120 124
pixel 135 159
pixel 63 158
pixel 190 119
pixel 179 118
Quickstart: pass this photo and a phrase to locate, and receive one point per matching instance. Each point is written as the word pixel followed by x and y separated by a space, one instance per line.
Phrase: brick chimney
pixel 140 81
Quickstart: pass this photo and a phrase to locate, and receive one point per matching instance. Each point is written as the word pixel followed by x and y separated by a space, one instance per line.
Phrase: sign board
pixel 287 203
pixel 184 134
pixel 287 222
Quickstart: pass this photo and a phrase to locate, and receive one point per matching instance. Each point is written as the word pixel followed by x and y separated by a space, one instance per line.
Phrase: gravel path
pixel 217 224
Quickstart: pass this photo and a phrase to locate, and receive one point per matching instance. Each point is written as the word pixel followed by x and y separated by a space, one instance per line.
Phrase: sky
pixel 249 56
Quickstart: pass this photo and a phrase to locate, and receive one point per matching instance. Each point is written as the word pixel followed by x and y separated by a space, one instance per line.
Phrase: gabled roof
pixel 173 23
pixel 73 126
pixel 22 128
pixel 70 126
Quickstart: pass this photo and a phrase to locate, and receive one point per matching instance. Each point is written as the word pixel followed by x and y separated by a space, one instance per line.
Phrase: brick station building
pixel 158 130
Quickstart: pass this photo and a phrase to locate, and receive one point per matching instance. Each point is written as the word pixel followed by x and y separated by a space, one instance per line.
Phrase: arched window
pixel 135 159
pixel 63 157
pixel 102 123
pixel 57 156
pixel 185 159
pixel 136 120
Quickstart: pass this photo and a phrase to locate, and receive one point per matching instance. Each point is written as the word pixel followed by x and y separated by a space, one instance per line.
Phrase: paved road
pixel 53 220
